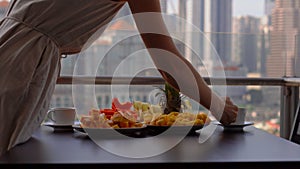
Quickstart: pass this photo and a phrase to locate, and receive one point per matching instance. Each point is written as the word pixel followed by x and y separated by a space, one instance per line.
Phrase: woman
pixel 35 33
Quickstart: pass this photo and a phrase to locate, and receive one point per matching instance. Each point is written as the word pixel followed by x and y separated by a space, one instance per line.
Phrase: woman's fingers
pixel 229 114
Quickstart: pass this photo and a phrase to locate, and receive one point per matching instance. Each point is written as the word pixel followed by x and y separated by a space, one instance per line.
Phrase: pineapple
pixel 173 99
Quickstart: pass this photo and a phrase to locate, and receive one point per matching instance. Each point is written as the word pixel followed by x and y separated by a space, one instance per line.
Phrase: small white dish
pixel 246 123
pixel 235 127
pixel 52 124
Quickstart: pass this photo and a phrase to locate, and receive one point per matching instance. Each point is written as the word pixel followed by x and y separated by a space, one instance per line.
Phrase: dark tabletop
pixel 252 148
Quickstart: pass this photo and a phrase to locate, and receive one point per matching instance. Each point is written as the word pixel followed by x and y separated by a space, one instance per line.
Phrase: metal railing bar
pixel 232 81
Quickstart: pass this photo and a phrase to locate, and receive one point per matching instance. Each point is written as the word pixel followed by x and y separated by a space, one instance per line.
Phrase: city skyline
pixel 240 7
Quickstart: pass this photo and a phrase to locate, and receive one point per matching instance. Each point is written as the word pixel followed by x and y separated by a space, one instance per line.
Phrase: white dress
pixel 33 36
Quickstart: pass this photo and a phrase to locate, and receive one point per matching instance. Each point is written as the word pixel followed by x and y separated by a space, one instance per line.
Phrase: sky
pixel 248 7
pixel 240 7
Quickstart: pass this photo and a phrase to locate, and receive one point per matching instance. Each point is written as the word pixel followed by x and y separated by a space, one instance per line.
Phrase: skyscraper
pixel 285 21
pixel 245 41
pixel 182 12
pixel 218 23
pixel 191 14
pixel 164 6
pixel 269 5
pixel 214 18
pixel 265 29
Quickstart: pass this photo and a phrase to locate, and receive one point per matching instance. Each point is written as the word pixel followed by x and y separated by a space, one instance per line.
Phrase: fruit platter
pixel 138 119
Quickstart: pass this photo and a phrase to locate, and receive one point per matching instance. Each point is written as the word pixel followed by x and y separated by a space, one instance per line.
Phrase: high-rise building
pixel 193 11
pixel 245 41
pixel 197 36
pixel 269 5
pixel 214 19
pixel 264 42
pixel 264 46
pixel 284 38
pixel 164 6
pixel 218 23
pixel 191 14
pixel 182 13
pixel 193 27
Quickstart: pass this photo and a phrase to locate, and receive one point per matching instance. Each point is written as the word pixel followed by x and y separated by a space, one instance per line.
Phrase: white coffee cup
pixel 62 115
pixel 241 116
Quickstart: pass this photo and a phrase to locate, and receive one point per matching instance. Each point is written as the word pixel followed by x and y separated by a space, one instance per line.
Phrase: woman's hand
pixel 230 112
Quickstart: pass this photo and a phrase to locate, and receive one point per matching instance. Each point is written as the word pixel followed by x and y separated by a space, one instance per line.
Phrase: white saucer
pixel 236 126
pixel 52 124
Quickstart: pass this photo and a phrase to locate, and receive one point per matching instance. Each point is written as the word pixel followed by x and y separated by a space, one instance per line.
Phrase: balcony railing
pixel 289 94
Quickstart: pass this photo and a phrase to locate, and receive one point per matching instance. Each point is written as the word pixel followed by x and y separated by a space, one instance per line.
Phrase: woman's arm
pixel 174 68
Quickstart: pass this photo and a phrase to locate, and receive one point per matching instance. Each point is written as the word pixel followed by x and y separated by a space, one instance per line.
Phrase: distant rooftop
pixel 4 3
pixel 121 25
